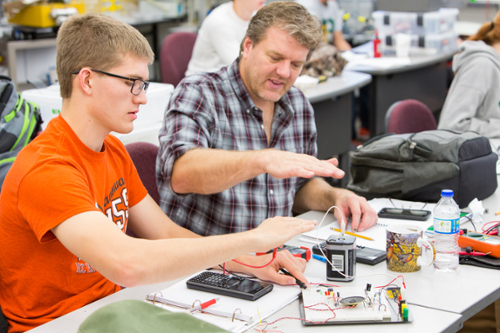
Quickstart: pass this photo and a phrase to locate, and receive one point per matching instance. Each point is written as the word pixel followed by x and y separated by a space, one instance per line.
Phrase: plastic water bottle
pixel 446 228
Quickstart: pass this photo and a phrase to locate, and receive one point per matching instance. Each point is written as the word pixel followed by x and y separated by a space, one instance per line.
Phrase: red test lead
pixel 472 253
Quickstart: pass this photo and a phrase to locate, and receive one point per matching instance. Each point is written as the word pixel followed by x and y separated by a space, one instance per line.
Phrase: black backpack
pixel 19 123
pixel 418 166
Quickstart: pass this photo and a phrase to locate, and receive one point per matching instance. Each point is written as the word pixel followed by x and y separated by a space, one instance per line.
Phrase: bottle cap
pixel 447 193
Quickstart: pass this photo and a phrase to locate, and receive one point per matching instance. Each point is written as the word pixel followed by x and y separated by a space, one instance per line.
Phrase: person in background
pixel 71 194
pixel 473 100
pixel 220 35
pixel 328 12
pixel 239 145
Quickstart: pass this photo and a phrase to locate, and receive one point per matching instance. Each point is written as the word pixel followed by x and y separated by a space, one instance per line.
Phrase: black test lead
pixel 297 281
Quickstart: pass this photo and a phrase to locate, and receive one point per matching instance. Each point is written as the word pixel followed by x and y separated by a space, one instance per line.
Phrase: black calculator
pixel 229 285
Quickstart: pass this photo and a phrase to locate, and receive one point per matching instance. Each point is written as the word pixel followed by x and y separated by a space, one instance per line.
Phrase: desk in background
pixel 332 103
pixel 424 79
pixel 149 28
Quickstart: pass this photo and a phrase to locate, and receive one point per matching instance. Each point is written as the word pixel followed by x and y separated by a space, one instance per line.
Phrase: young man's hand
pixel 277 230
pixel 295 266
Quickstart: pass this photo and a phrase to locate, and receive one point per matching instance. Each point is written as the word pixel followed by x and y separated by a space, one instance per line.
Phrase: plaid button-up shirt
pixel 214 110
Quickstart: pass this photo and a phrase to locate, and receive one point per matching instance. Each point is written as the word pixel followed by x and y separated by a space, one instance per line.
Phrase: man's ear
pixel 84 80
pixel 247 47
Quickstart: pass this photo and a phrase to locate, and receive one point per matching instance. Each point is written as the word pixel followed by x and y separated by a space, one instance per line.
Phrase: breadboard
pixel 334 306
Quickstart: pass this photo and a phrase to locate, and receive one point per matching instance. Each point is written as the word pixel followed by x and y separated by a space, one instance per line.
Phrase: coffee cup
pixel 407 250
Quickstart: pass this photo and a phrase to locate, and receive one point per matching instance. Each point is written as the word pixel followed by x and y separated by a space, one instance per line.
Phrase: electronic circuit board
pixel 352 305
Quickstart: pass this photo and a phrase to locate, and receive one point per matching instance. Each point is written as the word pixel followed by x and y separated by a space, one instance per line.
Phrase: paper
pixel 378 231
pixel 266 305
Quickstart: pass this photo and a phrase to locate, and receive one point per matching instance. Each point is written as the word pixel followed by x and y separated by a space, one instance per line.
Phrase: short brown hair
pixel 489 31
pixel 290 17
pixel 97 41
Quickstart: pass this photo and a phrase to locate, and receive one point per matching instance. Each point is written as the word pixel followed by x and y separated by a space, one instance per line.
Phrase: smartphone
pixel 404 214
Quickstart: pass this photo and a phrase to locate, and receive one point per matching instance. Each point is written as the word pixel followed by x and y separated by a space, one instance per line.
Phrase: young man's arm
pixel 207 171
pixel 131 261
pixel 317 194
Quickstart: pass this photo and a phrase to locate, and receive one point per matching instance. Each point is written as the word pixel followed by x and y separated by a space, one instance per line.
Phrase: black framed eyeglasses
pixel 137 84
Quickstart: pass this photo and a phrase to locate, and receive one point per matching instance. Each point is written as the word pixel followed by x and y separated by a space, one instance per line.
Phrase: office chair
pixel 409 116
pixel 143 155
pixel 175 54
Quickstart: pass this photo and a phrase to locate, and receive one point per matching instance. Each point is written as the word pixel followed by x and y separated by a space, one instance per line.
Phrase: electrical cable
pixel 269 263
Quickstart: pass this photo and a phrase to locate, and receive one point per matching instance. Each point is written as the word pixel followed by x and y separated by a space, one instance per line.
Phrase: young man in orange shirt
pixel 73 192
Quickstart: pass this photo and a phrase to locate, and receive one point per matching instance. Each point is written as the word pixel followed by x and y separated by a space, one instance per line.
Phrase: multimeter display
pixel 481 242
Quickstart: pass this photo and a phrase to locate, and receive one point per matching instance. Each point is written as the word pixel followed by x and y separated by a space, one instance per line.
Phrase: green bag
pixel 132 316
pixel 19 123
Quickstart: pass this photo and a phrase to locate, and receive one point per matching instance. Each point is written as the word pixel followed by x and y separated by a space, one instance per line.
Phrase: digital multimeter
pixel 299 252
pixel 481 242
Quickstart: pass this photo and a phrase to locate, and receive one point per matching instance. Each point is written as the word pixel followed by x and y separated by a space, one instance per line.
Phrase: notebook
pixel 220 313
pixel 378 231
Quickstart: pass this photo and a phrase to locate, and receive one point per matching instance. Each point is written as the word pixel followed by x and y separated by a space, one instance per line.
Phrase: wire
pixel 260 319
pixel 488 230
pixel 399 276
pixel 269 263
pixel 234 274
pixel 317 239
pixel 324 285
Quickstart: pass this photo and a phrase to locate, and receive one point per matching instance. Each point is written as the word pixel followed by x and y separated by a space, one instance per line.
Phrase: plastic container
pixel 390 23
pixel 50 102
pixel 446 232
pixel 428 44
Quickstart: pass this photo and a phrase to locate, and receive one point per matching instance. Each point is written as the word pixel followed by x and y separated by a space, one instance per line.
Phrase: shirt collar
pixel 241 92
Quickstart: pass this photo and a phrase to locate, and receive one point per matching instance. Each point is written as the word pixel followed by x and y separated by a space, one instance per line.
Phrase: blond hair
pixel 489 31
pixel 289 16
pixel 96 41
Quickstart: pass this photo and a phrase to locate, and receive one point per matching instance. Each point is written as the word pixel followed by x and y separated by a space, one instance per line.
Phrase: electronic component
pixel 351 300
pixel 301 252
pixel 229 285
pixel 346 305
pixel 341 252
pixel 393 292
pixel 480 242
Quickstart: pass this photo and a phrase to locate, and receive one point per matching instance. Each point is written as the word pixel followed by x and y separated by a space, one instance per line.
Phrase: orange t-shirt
pixel 54 178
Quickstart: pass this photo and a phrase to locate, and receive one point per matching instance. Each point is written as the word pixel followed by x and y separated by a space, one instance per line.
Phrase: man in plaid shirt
pixel 239 145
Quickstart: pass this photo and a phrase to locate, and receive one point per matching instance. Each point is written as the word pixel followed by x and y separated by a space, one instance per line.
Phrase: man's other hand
pixel 363 216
